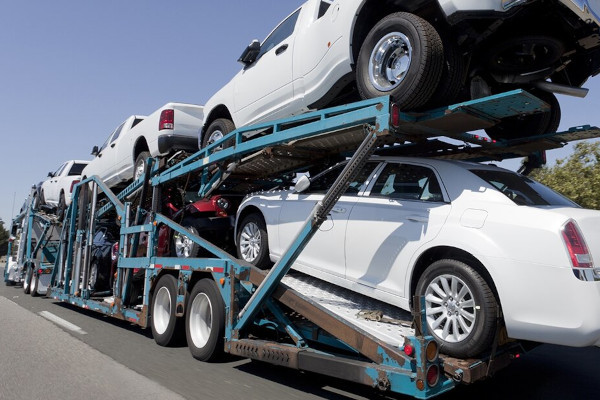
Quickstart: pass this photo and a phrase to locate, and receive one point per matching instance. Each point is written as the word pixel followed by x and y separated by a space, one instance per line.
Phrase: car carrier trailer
pixel 37 248
pixel 226 305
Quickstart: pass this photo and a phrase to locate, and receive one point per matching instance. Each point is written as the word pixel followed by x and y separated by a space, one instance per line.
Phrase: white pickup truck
pixel 123 155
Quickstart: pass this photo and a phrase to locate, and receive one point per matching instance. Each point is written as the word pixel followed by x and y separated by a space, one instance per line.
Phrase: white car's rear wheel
pixel 140 164
pixel 402 56
pixel 461 309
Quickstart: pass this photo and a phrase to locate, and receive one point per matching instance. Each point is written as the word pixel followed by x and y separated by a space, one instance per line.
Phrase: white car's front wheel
pixel 461 309
pixel 402 56
pixel 252 241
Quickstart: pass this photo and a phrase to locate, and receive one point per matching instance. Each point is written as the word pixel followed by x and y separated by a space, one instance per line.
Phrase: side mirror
pixel 95 151
pixel 302 184
pixel 250 53
pixel 51 174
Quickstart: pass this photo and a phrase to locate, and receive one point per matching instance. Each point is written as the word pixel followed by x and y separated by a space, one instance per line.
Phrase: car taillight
pixel 576 246
pixel 75 182
pixel 114 254
pixel 167 119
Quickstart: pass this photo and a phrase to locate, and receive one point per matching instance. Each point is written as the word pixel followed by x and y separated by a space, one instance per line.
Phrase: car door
pixel 107 159
pixel 324 255
pixel 264 88
pixel 404 209
pixel 51 188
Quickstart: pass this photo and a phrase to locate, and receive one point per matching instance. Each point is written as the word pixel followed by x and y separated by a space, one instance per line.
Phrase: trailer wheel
pixel 252 241
pixel 217 130
pixel 461 309
pixel 27 281
pixel 34 285
pixel 140 164
pixel 402 56
pixel 205 321
pixel 166 327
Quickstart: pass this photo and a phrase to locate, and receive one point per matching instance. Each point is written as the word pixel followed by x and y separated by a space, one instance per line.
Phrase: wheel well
pixel 140 145
pixel 444 252
pixel 371 13
pixel 220 111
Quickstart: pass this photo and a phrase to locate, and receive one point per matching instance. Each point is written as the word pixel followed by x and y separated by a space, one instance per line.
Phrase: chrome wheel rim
pixel 215 136
pixel 250 242
pixel 139 169
pixel 162 310
pixel 33 284
pixel 200 323
pixel 183 245
pixel 390 61
pixel 450 308
pixel 93 276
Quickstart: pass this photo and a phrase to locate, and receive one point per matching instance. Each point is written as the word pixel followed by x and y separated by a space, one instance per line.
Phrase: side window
pixel 76 169
pixel 409 182
pixel 323 181
pixel 105 143
pixel 282 32
pixel 60 170
pixel 117 132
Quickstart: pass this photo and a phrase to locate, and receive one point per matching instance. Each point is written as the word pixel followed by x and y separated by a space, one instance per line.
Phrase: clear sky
pixel 71 71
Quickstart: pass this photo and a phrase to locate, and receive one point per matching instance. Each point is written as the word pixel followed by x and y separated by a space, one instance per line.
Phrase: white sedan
pixel 56 190
pixel 421 53
pixel 476 240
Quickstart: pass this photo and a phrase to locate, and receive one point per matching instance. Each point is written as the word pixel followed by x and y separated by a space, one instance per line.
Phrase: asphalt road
pixel 107 358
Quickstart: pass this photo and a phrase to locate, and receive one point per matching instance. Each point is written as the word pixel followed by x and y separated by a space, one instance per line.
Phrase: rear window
pixel 522 190
pixel 76 169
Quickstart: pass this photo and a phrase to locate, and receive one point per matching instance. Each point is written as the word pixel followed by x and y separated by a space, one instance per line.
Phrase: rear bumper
pixel 169 143
pixel 548 304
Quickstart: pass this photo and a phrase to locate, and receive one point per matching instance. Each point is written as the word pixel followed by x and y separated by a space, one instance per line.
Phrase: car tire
pixel 27 281
pixel 461 309
pixel 34 285
pixel 529 125
pixel 62 206
pixel 253 241
pixel 183 246
pixel 454 75
pixel 420 63
pixel 205 321
pixel 166 326
pixel 217 130
pixel 140 164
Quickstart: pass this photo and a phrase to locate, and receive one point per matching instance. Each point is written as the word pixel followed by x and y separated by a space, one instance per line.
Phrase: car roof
pixel 440 163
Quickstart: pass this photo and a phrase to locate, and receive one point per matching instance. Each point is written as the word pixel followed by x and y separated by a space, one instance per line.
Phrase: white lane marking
pixel 61 322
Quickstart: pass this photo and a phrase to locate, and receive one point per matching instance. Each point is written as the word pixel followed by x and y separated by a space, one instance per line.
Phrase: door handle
pixel 281 49
pixel 338 210
pixel 417 218
pixel 112 145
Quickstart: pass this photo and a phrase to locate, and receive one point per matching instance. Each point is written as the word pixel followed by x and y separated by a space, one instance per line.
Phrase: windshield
pixel 522 190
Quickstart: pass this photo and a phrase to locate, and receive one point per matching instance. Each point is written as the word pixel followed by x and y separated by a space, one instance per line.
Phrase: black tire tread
pixel 430 66
pixel 472 346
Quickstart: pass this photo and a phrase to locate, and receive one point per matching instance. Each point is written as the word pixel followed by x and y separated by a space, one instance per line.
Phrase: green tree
pixel 4 235
pixel 576 176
